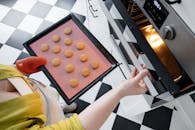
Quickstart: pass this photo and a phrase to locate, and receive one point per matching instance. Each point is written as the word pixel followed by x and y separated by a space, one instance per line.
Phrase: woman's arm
pixel 95 115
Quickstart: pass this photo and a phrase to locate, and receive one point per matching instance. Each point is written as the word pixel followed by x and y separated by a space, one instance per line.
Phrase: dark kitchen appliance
pixel 164 38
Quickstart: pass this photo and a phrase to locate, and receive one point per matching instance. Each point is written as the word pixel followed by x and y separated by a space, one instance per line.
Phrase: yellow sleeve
pixel 72 123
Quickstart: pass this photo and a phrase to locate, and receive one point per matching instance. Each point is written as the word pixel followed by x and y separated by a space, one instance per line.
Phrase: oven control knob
pixel 168 33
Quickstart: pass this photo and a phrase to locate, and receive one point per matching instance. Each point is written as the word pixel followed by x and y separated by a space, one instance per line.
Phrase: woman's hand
pixel 135 85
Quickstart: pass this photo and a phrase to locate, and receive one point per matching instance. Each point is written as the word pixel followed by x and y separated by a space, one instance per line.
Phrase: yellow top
pixel 10 71
pixel 25 112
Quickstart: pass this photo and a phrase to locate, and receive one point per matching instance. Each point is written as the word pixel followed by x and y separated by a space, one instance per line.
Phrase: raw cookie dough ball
pixel 69 68
pixel 80 45
pixel 68 53
pixel 44 47
pixel 95 64
pixel 68 41
pixel 85 72
pixel 56 38
pixel 68 30
pixel 56 62
pixel 83 58
pixel 73 83
pixel 56 49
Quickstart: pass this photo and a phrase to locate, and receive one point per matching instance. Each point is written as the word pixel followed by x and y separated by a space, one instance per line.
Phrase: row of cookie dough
pixel 56 48
pixel 56 38
pixel 94 64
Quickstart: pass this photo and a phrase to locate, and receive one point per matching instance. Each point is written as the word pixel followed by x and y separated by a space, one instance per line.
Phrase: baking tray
pixel 94 50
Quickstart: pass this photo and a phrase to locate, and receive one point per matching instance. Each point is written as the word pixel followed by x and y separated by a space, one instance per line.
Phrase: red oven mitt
pixel 31 64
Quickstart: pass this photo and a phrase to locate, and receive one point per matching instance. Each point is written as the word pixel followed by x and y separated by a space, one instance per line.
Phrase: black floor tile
pixel 124 124
pixel 121 24
pixel 13 18
pixel 80 17
pixel 81 105
pixel 137 47
pixel 65 4
pixel 1 45
pixel 157 102
pixel 40 9
pixel 112 32
pixel 116 108
pixel 193 97
pixel 108 4
pixel 125 54
pixel 8 3
pixel 22 56
pixel 18 38
pixel 103 89
pixel 44 25
pixel 158 119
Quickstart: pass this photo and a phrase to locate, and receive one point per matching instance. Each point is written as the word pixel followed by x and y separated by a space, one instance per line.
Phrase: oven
pixel 166 38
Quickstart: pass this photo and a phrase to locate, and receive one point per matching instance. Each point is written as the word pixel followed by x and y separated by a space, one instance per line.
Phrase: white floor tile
pixel 99 25
pixel 128 35
pixel 30 24
pixel 5 32
pixel 24 5
pixel 149 99
pixel 24 50
pixel 107 80
pixel 116 77
pixel 144 60
pixel 114 49
pixel 90 95
pixel 56 14
pixel 109 122
pixel 177 122
pixel 145 128
pixel 4 11
pixel 80 7
pixel 40 76
pixel 51 2
pixel 8 55
pixel 133 105
pixel 126 68
pixel 114 12
pixel 136 118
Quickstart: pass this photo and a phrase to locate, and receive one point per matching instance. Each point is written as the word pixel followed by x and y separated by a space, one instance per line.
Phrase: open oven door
pixel 127 36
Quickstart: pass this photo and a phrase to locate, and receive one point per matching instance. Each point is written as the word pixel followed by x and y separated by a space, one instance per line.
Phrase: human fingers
pixel 143 90
pixel 149 74
pixel 143 66
pixel 141 75
pixel 142 84
pixel 133 72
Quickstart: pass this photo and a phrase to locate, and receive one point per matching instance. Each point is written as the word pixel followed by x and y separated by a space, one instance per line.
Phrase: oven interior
pixel 158 45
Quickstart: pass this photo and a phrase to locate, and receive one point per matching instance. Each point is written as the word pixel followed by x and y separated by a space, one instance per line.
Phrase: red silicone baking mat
pixel 58 73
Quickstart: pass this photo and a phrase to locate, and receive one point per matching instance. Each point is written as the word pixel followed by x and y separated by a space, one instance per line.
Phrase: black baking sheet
pixel 102 50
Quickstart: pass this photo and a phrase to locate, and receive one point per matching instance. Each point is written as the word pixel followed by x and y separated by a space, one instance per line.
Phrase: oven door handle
pixel 173 2
pixel 128 49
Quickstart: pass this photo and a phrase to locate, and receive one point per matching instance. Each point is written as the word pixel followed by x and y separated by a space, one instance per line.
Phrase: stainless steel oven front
pixel 177 35
pixel 165 38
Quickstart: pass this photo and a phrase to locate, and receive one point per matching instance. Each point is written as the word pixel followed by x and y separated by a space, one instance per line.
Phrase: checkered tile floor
pixel 20 20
